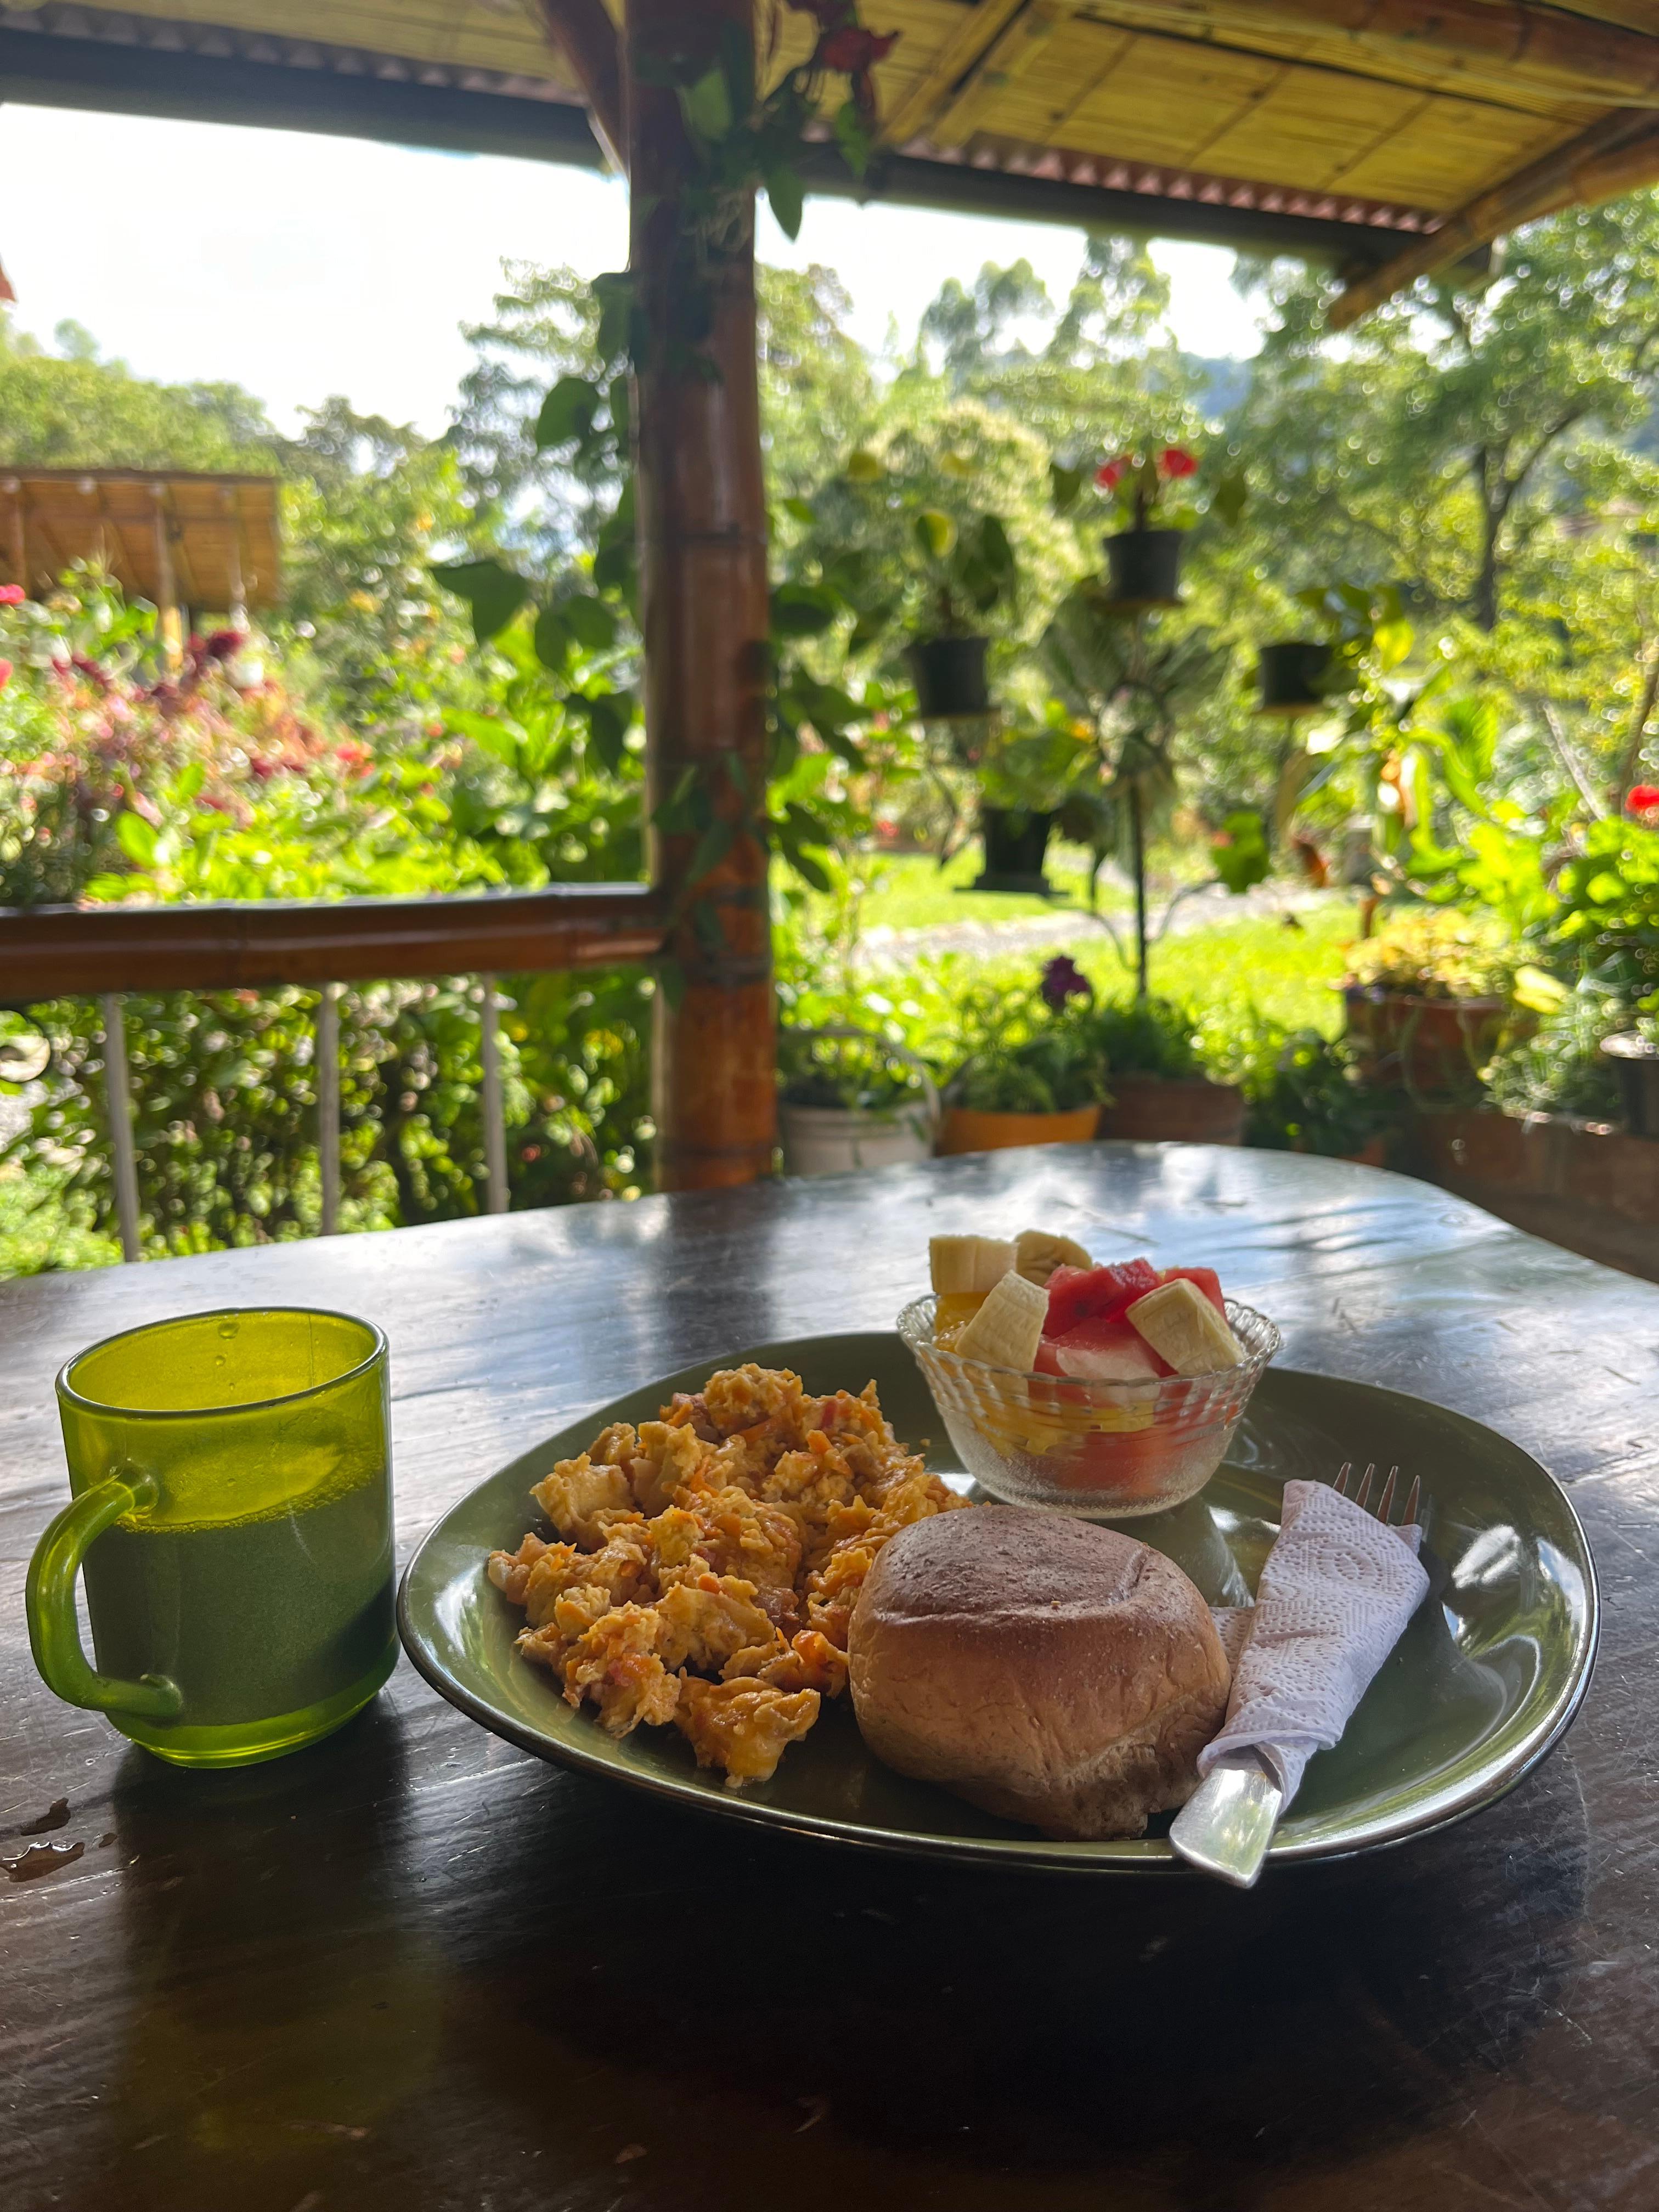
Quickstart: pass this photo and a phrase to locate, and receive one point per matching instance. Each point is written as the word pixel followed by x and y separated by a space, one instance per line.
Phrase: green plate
pixel 1485 1680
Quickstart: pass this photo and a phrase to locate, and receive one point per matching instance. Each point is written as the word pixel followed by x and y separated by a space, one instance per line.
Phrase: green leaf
pixel 707 106
pixel 551 640
pixel 567 413
pixel 1538 992
pixel 1243 860
pixel 591 622
pixel 801 510
pixel 1065 487
pixel 1230 497
pixel 787 195
pixel 494 593
pixel 802 610
pixel 853 136
pixel 813 870
pixel 994 549
pixel 710 849
pixel 936 534
pixel 864 467
pixel 609 716
pixel 137 838
pixel 188 782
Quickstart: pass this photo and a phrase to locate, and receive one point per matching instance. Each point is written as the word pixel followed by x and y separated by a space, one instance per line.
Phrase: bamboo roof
pixel 209 542
pixel 1360 128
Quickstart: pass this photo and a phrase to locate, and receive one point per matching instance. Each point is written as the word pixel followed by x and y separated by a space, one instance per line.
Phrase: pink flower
pixel 1111 474
pixel 5 674
pixel 12 595
pixel 1641 801
pixel 1177 461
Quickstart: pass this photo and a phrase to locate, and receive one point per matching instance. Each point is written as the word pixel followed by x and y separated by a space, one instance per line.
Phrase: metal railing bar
pixel 118 1098
pixel 326 1047
pixel 495 1111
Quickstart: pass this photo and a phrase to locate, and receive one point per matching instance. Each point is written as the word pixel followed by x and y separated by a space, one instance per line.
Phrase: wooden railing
pixel 102 952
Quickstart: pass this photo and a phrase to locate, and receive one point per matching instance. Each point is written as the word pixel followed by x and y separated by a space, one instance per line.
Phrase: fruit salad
pixel 1110 1388
pixel 1040 1306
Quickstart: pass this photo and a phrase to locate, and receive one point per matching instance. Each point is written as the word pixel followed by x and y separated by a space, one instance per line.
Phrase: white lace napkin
pixel 1335 1596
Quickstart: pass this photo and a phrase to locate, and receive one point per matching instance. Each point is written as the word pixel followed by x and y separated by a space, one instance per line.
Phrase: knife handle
pixel 1226 1826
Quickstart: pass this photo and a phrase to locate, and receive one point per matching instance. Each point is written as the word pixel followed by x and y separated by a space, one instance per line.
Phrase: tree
pixel 73 409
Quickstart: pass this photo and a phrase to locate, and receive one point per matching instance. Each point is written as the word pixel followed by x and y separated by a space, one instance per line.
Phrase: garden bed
pixel 1582 1184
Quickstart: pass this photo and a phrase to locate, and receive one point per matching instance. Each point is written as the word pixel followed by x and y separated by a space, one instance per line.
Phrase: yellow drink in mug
pixel 232 1515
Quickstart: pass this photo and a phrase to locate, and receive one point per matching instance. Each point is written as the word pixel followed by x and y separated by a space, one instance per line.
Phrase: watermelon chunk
pixel 1080 1294
pixel 1201 1279
pixel 1102 1351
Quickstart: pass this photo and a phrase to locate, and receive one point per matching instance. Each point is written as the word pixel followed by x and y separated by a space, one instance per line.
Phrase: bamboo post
pixel 703 612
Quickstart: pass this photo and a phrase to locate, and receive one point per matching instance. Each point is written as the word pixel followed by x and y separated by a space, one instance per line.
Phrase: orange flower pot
pixel 965 1131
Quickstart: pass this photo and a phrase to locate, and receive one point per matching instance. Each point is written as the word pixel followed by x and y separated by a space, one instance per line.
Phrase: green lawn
pixel 911 891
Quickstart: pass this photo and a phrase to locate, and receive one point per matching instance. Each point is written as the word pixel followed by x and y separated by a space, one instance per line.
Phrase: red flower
pixel 5 674
pixel 1642 800
pixel 1177 461
pixel 223 643
pixel 12 595
pixel 1111 474
pixel 852 50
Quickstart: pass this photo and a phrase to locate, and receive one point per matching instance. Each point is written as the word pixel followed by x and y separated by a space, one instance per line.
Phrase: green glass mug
pixel 232 1516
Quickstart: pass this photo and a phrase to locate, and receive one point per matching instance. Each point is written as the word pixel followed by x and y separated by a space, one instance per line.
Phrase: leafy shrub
pixel 1150 1036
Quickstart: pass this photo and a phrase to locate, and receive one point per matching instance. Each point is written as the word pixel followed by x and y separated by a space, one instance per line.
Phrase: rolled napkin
pixel 1334 1599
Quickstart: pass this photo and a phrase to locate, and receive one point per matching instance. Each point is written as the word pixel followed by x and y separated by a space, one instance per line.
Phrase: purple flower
pixel 1062 979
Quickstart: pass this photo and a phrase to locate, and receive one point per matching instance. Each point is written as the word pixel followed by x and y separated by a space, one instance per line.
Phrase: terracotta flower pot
pixel 965 1130
pixel 949 677
pixel 1427 1044
pixel 1165 1109
pixel 1015 845
pixel 1291 676
pixel 1144 568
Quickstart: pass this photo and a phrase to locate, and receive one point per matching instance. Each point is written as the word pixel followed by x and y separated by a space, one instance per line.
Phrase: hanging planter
pixel 949 677
pixel 1143 568
pixel 1016 844
pixel 1293 676
pixel 1637 1062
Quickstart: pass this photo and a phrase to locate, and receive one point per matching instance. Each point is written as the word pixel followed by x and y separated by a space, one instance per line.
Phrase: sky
pixel 302 266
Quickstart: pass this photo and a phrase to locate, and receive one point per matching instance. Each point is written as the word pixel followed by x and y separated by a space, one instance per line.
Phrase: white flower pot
pixel 820 1140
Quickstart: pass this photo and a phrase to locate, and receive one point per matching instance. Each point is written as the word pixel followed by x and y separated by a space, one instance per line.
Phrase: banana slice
pixel 1036 1255
pixel 966 1264
pixel 1179 1322
pixel 1007 1329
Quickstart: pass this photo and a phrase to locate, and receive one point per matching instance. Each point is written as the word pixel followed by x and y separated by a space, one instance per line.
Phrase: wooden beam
pixel 1619 155
pixel 1002 64
pixel 587 37
pixel 704 620
pixel 55 953
pixel 961 50
pixel 1488 44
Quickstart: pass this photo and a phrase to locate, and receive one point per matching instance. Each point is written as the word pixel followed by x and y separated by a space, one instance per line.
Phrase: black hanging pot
pixel 1637 1065
pixel 1293 676
pixel 1015 843
pixel 950 677
pixel 1144 568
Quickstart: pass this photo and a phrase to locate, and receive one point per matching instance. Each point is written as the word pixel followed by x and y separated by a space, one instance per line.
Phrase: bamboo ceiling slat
pixel 1415 108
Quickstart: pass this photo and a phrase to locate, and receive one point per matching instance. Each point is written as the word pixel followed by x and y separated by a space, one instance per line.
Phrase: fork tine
pixel 1365 1484
pixel 1340 1485
pixel 1384 1504
pixel 1412 1497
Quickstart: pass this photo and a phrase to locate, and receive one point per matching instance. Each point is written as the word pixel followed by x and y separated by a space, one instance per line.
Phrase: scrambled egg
pixel 708 1563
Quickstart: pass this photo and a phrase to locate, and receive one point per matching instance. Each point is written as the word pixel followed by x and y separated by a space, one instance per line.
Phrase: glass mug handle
pixel 49 1598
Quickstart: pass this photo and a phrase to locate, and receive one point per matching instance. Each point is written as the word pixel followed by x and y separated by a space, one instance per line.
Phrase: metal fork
pixel 1227 1824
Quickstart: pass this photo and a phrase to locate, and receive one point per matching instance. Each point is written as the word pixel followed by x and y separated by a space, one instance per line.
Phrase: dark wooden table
pixel 415 1968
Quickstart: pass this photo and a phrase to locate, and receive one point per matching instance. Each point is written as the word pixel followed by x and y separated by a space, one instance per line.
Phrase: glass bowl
pixel 1105 1451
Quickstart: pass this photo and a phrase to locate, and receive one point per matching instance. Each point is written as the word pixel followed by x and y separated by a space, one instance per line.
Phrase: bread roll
pixel 1045 1668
